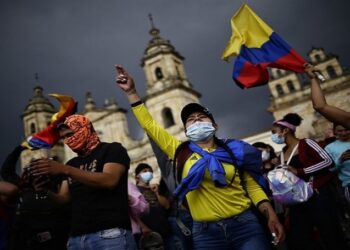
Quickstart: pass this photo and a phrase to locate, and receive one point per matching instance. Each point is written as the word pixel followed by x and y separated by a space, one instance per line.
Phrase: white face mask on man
pixel 200 131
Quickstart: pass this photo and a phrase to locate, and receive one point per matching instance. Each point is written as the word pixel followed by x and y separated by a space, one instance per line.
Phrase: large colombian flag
pixel 257 47
pixel 49 136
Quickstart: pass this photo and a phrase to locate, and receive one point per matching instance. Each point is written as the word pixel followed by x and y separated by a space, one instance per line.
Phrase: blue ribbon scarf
pixel 246 156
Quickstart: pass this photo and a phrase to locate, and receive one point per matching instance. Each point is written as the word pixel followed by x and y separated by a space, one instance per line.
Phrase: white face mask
pixel 200 131
pixel 265 155
pixel 146 177
pixel 277 139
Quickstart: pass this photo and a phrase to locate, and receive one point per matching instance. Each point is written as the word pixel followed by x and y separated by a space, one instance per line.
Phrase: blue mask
pixel 200 131
pixel 146 177
pixel 277 139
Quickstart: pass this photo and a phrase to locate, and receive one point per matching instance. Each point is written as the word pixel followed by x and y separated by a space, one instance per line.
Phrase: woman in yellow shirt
pixel 219 204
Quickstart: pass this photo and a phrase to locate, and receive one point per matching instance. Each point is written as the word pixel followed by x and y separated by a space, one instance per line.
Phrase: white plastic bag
pixel 287 188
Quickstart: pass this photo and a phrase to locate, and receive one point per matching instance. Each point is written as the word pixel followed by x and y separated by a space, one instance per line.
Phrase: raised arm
pixel 320 104
pixel 126 83
pixel 167 142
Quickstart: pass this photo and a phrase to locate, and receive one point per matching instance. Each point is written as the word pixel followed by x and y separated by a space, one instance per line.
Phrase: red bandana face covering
pixel 84 138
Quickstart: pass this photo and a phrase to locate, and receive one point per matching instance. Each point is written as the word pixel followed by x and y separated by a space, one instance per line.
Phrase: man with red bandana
pixel 96 185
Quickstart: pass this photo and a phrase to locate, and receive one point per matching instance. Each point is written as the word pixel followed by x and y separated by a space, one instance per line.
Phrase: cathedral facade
pixel 168 90
pixel 290 93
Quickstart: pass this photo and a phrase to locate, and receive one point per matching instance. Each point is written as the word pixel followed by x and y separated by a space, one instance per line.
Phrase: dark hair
pixel 292 118
pixel 259 145
pixel 264 145
pixel 272 151
pixel 141 167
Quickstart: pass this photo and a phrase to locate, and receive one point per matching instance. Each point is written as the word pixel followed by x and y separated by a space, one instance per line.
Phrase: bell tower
pixel 290 92
pixel 36 116
pixel 168 88
pixel 38 111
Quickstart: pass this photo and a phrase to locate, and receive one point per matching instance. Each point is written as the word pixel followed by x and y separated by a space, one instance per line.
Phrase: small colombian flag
pixel 49 136
pixel 257 47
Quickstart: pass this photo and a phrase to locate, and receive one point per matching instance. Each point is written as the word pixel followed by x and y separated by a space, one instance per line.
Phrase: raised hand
pixel 124 80
pixel 126 83
pixel 310 70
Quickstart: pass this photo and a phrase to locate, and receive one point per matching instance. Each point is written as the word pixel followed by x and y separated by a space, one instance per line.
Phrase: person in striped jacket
pixel 310 162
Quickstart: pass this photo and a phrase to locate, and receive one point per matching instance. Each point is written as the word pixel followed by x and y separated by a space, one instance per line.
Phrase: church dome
pixel 38 103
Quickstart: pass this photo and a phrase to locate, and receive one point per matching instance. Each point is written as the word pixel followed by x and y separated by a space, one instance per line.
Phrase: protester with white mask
pixel 211 178
pixel 268 156
pixel 157 197
pixel 307 160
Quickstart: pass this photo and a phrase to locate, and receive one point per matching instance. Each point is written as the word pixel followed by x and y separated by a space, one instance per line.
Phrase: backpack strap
pixel 182 153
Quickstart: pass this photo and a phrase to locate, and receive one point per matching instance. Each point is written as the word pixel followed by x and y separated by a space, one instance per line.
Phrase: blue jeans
pixel 241 232
pixel 110 239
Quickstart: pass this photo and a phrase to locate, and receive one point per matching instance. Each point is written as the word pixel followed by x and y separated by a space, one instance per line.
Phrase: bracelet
pixel 136 103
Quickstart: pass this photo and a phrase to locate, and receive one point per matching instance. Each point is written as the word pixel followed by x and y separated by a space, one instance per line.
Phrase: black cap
pixel 195 107
pixel 141 167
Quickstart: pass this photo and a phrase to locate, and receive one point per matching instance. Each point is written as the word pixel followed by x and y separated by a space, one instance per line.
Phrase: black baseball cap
pixel 141 167
pixel 194 107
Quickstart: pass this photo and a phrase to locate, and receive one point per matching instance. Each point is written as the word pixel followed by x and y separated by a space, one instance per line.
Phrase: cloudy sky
pixel 73 45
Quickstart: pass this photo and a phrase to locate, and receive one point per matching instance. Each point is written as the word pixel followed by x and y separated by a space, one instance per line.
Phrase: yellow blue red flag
pixel 256 47
pixel 49 136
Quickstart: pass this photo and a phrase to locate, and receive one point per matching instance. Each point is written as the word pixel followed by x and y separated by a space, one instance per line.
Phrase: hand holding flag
pixel 48 137
pixel 257 47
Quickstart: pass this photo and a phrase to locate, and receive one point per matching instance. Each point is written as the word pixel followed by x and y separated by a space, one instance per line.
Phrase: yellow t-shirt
pixel 207 202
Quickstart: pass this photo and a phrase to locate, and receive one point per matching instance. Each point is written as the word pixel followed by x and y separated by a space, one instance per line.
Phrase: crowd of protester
pixel 213 193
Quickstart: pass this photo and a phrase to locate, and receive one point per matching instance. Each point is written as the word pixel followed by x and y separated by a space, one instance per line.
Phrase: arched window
pixel 279 89
pixel 290 86
pixel 32 128
pixel 159 73
pixel 168 118
pixel 279 73
pixel 177 71
pixel 331 72
pixel 318 58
